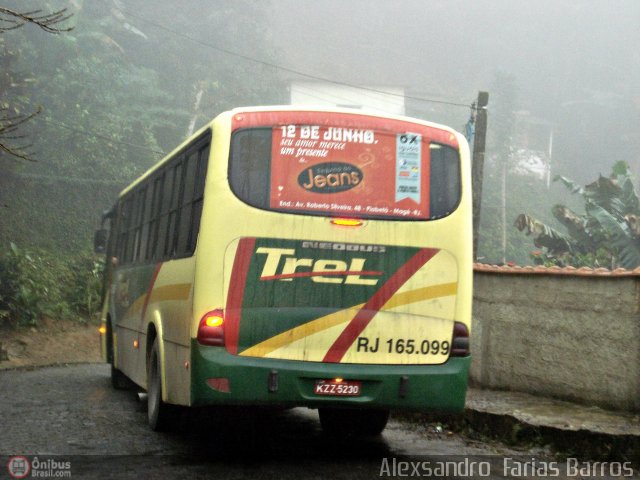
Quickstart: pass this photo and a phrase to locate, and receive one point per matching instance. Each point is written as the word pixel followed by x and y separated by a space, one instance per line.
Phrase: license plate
pixel 344 388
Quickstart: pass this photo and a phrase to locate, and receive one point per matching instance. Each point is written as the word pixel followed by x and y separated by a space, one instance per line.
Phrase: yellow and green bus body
pixel 323 259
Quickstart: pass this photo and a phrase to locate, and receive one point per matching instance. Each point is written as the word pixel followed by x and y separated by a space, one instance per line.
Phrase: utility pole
pixel 477 163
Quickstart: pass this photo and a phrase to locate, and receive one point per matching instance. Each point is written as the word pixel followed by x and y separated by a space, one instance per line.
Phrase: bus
pixel 292 257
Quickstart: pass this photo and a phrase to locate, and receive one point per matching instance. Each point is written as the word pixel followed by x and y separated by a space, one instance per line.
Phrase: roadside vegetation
pixel 36 283
pixel 606 235
pixel 87 105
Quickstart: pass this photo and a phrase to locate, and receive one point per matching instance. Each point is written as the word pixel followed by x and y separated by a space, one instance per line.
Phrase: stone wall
pixel 575 337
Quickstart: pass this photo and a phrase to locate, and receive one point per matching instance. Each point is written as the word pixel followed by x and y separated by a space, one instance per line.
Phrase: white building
pixel 325 94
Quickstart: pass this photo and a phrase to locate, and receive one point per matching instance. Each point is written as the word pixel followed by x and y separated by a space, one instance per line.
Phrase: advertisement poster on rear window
pixel 349 172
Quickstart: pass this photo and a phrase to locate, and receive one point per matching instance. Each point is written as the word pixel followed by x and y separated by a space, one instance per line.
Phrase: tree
pixel 607 234
pixel 117 92
pixel 12 19
pixel 502 191
pixel 10 123
pixel 12 141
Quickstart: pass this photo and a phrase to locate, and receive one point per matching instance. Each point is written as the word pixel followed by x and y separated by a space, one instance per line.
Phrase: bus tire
pixel 352 422
pixel 119 381
pixel 161 415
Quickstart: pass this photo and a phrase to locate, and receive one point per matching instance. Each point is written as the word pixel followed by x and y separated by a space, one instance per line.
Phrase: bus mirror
pixel 100 241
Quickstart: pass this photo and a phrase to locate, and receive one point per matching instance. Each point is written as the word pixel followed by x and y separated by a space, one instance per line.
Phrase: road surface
pixel 71 414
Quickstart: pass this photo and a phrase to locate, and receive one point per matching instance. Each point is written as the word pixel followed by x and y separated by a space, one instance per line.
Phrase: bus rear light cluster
pixel 211 328
pixel 460 343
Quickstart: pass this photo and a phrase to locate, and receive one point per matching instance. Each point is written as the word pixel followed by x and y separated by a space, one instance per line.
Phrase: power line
pixel 287 69
pixel 76 180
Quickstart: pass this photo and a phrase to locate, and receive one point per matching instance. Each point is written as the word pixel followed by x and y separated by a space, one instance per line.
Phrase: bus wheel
pixel 161 415
pixel 351 422
pixel 119 380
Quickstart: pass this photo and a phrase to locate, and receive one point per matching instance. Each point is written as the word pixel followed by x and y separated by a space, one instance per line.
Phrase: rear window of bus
pixel 342 171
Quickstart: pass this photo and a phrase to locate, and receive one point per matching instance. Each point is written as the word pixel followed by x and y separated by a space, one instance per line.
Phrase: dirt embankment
pixel 50 342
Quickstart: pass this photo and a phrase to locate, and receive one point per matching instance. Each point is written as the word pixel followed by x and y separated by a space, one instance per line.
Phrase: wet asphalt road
pixel 72 412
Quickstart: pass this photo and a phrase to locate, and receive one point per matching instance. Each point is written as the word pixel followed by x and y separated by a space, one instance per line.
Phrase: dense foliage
pixel 606 235
pixel 120 86
pixel 124 86
pixel 37 283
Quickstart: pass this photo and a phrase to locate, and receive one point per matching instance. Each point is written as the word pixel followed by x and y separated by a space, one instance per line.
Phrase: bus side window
pixel 141 206
pixel 250 166
pixel 135 208
pixel 123 228
pixel 152 249
pixel 198 196
pixel 146 223
pixel 191 164
pixel 163 221
pixel 176 198
pixel 445 180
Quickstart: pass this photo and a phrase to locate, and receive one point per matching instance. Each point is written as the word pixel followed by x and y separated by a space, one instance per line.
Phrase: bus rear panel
pixel 333 264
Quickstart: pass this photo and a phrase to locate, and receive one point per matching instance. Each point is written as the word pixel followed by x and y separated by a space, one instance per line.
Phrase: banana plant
pixel 607 234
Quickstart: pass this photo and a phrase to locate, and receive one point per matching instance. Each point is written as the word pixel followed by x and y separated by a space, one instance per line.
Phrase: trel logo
pixel 282 264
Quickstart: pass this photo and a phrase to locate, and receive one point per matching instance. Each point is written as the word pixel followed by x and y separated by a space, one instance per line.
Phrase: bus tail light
pixel 211 328
pixel 460 342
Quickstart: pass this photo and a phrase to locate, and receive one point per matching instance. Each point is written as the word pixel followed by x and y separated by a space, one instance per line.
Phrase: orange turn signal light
pixel 213 320
pixel 346 222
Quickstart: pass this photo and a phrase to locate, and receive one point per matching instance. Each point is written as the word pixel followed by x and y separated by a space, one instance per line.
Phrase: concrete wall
pixel 569 337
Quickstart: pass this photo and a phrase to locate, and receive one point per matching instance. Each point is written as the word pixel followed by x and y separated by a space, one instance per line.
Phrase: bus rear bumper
pixel 219 378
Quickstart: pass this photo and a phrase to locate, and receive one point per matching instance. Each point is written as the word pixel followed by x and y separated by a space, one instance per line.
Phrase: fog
pixel 575 64
pixel 134 77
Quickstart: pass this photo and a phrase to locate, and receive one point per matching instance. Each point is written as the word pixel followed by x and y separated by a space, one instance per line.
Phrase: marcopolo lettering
pixel 281 264
pixel 330 177
pixel 349 247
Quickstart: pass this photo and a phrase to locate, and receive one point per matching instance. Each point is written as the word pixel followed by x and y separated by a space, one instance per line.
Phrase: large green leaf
pixel 622 240
pixel 577 226
pixel 616 194
pixel 605 192
pixel 544 236
pixel 570 184
pixel 629 196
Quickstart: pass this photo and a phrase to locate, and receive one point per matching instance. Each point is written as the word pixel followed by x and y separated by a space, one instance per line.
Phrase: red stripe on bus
pixel 375 303
pixel 152 283
pixel 237 284
pixel 321 274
